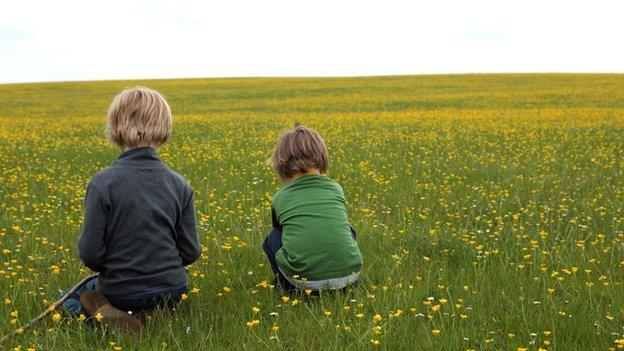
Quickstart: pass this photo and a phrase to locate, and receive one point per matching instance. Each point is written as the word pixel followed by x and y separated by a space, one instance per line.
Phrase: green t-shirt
pixel 316 239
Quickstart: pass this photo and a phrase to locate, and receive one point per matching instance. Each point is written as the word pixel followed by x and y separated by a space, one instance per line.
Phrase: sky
pixel 66 40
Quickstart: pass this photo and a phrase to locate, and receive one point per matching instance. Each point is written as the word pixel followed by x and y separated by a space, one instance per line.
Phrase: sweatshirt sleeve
pixel 187 241
pixel 91 242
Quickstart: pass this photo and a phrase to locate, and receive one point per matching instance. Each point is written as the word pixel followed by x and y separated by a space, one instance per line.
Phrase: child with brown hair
pixel 311 246
pixel 139 224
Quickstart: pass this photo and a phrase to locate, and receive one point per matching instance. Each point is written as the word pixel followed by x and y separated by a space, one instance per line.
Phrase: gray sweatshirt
pixel 139 226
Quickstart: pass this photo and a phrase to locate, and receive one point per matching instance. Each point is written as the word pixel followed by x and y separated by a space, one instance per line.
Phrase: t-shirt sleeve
pixel 340 192
pixel 274 219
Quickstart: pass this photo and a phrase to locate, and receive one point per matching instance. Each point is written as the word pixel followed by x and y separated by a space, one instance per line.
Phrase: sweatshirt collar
pixel 138 154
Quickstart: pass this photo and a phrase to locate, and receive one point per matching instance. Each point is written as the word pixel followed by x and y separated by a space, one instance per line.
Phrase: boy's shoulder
pixel 330 182
pixel 175 175
pixel 102 178
pixel 334 182
pixel 179 178
pixel 112 174
pixel 277 195
pixel 318 182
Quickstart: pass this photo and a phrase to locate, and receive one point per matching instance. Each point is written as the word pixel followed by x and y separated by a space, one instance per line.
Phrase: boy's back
pixel 316 237
pixel 139 228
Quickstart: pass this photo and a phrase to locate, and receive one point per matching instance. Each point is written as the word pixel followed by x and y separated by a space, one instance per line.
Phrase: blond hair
pixel 138 117
pixel 297 151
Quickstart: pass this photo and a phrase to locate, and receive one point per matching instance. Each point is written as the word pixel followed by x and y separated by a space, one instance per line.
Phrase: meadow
pixel 489 211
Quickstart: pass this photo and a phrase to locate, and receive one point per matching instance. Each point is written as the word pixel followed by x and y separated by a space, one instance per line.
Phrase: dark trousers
pixel 271 245
pixel 137 303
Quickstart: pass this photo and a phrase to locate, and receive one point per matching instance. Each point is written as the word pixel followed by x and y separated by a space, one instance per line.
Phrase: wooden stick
pixel 50 309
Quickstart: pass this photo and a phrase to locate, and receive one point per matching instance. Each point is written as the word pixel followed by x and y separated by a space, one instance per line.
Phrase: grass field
pixel 489 210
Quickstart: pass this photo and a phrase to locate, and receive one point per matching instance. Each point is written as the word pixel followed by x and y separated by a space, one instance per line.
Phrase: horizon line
pixel 348 76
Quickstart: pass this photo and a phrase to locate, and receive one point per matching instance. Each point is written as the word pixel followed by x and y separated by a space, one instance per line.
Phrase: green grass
pixel 472 196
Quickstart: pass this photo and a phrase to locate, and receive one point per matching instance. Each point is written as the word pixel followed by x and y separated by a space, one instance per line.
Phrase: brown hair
pixel 138 116
pixel 297 151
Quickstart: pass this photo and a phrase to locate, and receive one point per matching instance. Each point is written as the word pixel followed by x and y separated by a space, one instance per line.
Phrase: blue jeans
pixel 137 303
pixel 271 245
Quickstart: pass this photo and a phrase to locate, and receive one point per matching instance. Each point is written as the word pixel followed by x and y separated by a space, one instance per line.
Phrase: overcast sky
pixel 77 40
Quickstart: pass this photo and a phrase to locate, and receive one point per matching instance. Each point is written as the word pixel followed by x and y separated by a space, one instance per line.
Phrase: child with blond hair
pixel 311 246
pixel 139 224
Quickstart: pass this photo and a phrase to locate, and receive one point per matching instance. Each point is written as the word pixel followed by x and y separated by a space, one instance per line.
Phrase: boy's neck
pixel 311 171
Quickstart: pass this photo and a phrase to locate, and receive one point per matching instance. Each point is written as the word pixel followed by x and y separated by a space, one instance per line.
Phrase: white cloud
pixel 76 40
